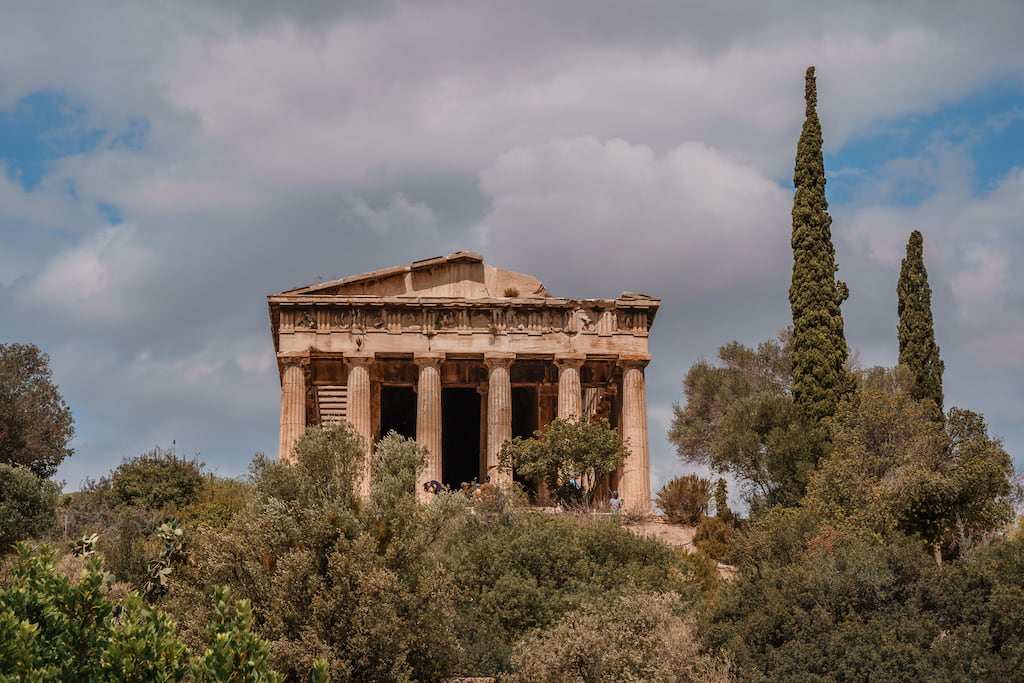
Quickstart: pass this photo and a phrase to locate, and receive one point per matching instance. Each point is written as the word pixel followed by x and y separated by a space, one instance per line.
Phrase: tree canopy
pixel 739 417
pixel 35 423
pixel 893 468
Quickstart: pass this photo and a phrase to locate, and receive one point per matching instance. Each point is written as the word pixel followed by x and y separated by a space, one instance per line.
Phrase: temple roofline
pixel 422 264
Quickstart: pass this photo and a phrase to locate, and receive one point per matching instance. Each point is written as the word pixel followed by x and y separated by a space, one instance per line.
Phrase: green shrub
pixel 684 500
pixel 157 479
pixel 715 538
pixel 27 504
pixel 633 638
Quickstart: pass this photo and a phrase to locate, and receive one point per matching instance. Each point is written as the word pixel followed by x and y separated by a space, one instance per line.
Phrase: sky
pixel 166 166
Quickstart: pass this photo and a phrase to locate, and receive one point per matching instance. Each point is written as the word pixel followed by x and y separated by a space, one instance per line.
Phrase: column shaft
pixel 499 412
pixel 293 408
pixel 635 483
pixel 359 408
pixel 428 413
pixel 570 402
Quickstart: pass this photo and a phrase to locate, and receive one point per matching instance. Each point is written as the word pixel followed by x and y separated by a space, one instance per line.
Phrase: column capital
pixel 570 360
pixel 359 358
pixel 422 359
pixel 499 359
pixel 634 361
pixel 289 359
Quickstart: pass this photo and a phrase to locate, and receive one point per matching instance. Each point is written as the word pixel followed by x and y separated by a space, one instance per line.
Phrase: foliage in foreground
pixel 815 603
pixel 632 638
pixel 519 572
pixel 53 629
pixel 390 589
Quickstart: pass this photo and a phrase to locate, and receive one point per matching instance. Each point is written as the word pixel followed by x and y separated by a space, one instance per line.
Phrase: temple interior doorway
pixel 460 436
pixel 524 424
pixel 398 410
pixel 524 411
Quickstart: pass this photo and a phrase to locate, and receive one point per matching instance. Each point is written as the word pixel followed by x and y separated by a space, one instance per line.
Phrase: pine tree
pixel 918 350
pixel 819 345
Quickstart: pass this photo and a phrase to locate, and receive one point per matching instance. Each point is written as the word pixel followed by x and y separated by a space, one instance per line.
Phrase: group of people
pixel 473 490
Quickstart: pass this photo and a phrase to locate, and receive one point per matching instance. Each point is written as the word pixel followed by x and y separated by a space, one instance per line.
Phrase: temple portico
pixel 462 357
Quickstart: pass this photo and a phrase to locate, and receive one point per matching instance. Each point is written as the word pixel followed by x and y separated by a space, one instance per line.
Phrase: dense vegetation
pixel 389 588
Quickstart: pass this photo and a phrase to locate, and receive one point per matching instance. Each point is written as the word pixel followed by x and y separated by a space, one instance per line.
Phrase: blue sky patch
pixel 48 125
pixel 987 127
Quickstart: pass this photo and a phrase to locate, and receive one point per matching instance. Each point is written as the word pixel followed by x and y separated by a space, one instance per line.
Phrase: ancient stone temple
pixel 462 357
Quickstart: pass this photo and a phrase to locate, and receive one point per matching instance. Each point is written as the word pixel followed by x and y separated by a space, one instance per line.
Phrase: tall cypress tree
pixel 918 350
pixel 819 345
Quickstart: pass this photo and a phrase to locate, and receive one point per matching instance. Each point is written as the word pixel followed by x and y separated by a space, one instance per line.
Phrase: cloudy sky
pixel 165 166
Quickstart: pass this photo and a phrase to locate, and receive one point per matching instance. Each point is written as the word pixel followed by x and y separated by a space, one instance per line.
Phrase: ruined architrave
pixel 462 356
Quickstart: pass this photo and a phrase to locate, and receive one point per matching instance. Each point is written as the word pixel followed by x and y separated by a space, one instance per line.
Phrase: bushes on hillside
pixel 155 480
pixel 684 500
pixel 631 638
pixel 27 504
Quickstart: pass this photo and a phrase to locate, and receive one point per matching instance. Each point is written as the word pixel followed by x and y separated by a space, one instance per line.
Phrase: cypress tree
pixel 819 345
pixel 918 350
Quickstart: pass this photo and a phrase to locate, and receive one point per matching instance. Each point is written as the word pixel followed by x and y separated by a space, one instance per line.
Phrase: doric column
pixel 359 407
pixel 570 403
pixel 635 483
pixel 499 411
pixel 293 406
pixel 428 411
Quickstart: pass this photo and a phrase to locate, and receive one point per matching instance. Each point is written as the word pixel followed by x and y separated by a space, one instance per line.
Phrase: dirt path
pixel 673 534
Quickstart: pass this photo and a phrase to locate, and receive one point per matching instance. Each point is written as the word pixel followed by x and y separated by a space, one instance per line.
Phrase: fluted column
pixel 635 483
pixel 293 406
pixel 359 407
pixel 570 402
pixel 428 411
pixel 499 411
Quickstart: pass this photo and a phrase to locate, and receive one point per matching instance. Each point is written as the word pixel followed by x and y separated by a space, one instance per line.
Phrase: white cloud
pixel 96 278
pixel 981 284
pixel 610 213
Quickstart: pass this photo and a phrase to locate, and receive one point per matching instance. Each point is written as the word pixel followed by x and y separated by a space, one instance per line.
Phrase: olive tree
pixel 571 456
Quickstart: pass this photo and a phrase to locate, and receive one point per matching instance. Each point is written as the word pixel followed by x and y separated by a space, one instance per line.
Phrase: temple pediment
pixel 462 274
